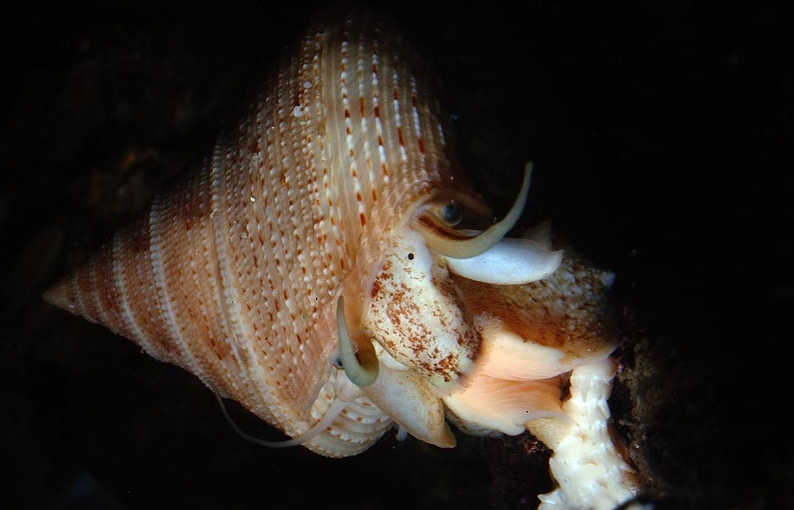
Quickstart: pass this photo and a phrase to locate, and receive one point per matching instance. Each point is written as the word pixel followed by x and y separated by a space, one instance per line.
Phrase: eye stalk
pixel 441 238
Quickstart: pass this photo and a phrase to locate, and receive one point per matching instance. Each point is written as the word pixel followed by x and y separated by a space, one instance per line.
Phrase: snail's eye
pixel 451 213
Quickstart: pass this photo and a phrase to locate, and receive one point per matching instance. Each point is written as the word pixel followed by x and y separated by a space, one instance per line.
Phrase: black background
pixel 661 134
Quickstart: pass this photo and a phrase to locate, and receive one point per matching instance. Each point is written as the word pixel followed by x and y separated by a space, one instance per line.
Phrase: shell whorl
pixel 233 273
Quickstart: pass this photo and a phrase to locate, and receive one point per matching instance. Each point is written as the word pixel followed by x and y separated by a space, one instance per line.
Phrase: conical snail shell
pixel 235 273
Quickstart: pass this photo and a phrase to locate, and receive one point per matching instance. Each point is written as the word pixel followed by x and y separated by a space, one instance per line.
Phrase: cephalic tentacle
pixel 455 244
pixel 361 363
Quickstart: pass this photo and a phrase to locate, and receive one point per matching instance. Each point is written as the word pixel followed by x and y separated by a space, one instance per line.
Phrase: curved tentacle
pixel 361 365
pixel 451 244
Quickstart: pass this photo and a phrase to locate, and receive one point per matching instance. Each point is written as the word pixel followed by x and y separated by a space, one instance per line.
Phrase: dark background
pixel 661 134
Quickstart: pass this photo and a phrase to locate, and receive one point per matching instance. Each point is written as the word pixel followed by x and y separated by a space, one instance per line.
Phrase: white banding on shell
pixel 509 262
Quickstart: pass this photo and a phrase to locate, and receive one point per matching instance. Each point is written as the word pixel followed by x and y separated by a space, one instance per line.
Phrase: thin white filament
pixel 330 415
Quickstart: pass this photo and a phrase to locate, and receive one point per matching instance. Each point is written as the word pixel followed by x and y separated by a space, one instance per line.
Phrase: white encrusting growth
pixel 590 472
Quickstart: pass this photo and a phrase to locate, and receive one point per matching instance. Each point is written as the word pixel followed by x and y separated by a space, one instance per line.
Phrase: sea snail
pixel 330 267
